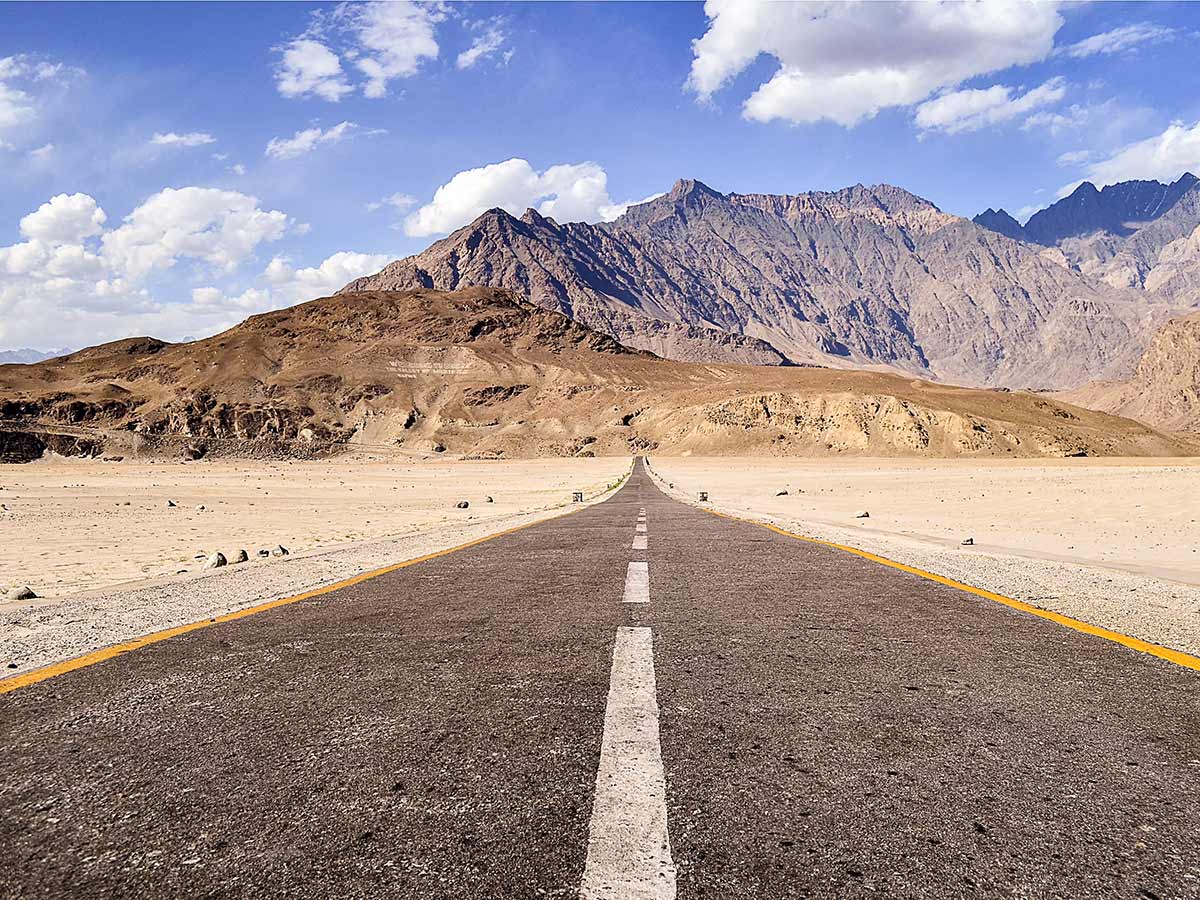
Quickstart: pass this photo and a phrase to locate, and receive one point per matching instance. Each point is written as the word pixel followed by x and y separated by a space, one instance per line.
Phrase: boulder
pixel 280 551
pixel 241 556
pixel 216 561
pixel 862 514
pixel 21 593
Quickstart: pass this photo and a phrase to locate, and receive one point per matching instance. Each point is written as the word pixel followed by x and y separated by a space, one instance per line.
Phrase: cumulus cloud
pixel 490 42
pixel 191 139
pixel 334 273
pixel 970 110
pixel 71 280
pixel 570 193
pixel 394 38
pixel 222 228
pixel 1163 157
pixel 1119 40
pixel 308 67
pixel 845 62
pixel 308 140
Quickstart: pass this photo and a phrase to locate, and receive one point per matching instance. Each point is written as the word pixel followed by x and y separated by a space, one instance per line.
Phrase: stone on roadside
pixel 439 447
pixel 967 542
pixel 490 500
pixel 781 493
pixel 200 508
pixel 21 593
pixel 862 514
pixel 461 504
pixel 241 556
pixel 280 551
pixel 264 553
pixel 216 561
pixel 171 504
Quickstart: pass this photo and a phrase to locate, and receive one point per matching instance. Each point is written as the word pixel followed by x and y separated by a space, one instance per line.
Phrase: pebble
pixel 862 514
pixel 461 504
pixel 241 556
pixel 216 561
pixel 967 542
pixel 280 551
pixel 171 504
pixel 781 493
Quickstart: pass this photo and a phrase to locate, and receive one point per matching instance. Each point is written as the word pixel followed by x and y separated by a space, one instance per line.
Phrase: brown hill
pixel 481 372
pixel 1165 389
pixel 865 277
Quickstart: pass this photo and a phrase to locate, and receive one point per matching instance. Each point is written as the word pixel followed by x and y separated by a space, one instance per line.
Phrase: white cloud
pixel 237 169
pixel 394 38
pixel 222 228
pixel 397 201
pixel 970 110
pixel 1119 40
pixel 334 273
pixel 42 153
pixel 309 67
pixel 19 107
pixel 846 61
pixel 486 44
pixel 307 140
pixel 1073 157
pixel 1163 157
pixel 191 139
pixel 569 193
pixel 65 219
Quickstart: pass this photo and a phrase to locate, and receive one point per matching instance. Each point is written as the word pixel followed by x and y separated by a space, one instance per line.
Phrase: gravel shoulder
pixel 1154 609
pixel 43 632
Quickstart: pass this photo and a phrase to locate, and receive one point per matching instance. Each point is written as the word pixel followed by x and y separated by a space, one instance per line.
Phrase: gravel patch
pixel 1161 612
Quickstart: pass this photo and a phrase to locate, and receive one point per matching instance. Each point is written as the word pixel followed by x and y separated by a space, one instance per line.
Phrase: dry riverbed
pixel 1113 542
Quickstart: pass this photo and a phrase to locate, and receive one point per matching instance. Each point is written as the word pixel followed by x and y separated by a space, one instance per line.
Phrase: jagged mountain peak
pixel 1001 222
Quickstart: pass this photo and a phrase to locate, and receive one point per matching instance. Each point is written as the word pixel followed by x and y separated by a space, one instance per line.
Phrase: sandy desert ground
pixel 1113 542
pixel 73 525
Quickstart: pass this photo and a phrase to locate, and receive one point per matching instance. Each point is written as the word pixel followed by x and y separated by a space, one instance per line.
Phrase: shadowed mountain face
pixel 483 373
pixel 1142 235
pixel 862 277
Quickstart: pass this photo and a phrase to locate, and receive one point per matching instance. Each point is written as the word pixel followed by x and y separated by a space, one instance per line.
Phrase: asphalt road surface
pixel 696 708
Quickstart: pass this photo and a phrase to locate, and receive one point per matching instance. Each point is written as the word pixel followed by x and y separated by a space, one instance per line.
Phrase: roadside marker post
pixel 704 496
pixel 577 497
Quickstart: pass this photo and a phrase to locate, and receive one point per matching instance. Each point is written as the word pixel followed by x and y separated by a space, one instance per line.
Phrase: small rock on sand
pixel 967 542
pixel 21 593
pixel 264 553
pixel 461 504
pixel 490 500
pixel 216 561
pixel 241 556
pixel 280 551
pixel 171 504
pixel 200 508
pixel 781 493
pixel 862 514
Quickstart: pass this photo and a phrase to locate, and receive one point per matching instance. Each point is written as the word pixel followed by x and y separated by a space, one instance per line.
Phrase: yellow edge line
pixel 1175 656
pixel 90 659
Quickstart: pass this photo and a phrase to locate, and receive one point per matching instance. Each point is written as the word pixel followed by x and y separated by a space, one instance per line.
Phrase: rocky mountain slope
pixel 869 277
pixel 1143 235
pixel 1165 389
pixel 483 373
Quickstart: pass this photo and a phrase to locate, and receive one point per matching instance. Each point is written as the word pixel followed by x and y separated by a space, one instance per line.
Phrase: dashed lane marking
pixel 641 528
pixel 637 583
pixel 639 542
pixel 629 848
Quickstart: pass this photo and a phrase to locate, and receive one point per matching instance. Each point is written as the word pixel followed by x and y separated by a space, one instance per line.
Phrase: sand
pixel 72 525
pixel 1113 542
pixel 67 527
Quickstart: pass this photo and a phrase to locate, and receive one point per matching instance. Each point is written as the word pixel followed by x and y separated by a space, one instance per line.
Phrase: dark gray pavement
pixel 829 727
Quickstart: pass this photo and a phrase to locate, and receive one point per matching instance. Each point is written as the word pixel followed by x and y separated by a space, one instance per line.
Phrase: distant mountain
pixel 1137 234
pixel 27 355
pixel 1118 209
pixel 870 277
pixel 999 221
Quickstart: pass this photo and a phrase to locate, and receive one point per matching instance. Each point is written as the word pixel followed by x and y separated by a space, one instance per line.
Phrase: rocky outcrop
pixel 862 277
pixel 1165 389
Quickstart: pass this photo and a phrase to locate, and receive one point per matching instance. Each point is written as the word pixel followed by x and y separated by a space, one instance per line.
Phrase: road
pixel 722 712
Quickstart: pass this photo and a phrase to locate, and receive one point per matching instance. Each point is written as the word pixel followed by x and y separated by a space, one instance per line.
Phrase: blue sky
pixel 170 169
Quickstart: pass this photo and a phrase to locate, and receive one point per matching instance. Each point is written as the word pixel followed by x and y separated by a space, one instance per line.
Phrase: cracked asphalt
pixel 829 727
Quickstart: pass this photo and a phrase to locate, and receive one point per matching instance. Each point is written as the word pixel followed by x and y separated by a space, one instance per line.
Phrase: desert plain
pixel 1115 542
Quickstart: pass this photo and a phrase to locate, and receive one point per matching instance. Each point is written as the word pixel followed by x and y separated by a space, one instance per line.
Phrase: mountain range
pixel 864 277
pixel 483 373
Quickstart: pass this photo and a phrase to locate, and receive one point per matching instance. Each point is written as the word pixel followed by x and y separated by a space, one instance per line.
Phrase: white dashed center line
pixel 641 528
pixel 629 850
pixel 639 542
pixel 637 583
